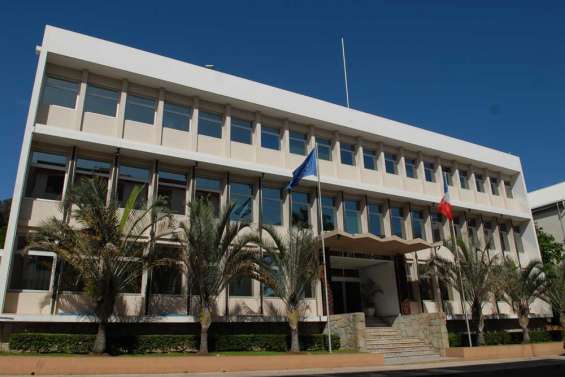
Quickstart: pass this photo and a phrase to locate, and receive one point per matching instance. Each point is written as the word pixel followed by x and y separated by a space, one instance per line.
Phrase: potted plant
pixel 368 291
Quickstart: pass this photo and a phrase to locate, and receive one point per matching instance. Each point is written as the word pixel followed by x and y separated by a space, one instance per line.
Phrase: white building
pixel 548 209
pixel 100 108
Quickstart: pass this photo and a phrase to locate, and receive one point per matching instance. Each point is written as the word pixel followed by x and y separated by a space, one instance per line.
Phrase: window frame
pixel 40 165
pixel 88 95
pixel 270 131
pixel 356 212
pixel 178 114
pixel 371 156
pixel 389 161
pixel 271 200
pixel 308 208
pixel 413 164
pixel 344 150
pixel 133 179
pixel 49 77
pixel 243 125
pixel 131 99
pixel 321 144
pixel 464 179
pixel 172 185
pixel 211 117
pixel 429 172
pixel 381 214
pixel 251 197
pixel 293 139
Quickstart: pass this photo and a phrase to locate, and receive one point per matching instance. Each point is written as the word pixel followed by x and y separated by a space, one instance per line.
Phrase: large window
pixel 464 179
pixel 59 92
pixel 241 286
pixel 324 148
pixel 518 239
pixel 241 196
pixel 329 212
pixel 429 169
pixel 130 177
pixel 375 215
pixel 270 262
pixel 31 272
pixel 270 138
pixel 140 109
pixel 167 279
pixel 297 141
pixel 271 206
pixel 177 116
pixel 391 163
pixel 494 186
pixel 210 124
pixel 472 229
pixel 437 225
pixel 503 233
pixel 488 234
pixel 446 174
pixel 425 283
pixel 480 182
pixel 209 189
pixel 89 168
pixel 46 176
pixel 241 130
pixel 411 167
pixel 172 188
pixel 397 221
pixel 101 101
pixel 369 159
pixel 352 216
pixel 300 209
pixel 418 224
pixel 347 152
pixel 508 189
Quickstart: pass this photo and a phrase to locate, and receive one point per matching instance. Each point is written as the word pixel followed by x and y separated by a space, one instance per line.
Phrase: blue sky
pixel 490 72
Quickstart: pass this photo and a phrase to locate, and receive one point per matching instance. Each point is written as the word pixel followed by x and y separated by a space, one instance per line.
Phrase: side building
pixel 548 209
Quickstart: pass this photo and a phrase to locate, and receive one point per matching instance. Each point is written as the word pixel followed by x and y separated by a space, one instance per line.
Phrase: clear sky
pixel 490 72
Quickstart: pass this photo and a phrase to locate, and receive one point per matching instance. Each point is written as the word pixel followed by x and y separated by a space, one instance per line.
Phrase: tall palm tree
pixel 555 292
pixel 520 288
pixel 108 245
pixel 478 276
pixel 215 251
pixel 294 266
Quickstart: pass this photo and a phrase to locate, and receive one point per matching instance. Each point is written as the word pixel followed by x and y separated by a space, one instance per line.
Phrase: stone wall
pixel 429 327
pixel 350 328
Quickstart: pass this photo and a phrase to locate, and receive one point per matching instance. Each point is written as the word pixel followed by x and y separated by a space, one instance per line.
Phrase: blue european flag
pixel 308 167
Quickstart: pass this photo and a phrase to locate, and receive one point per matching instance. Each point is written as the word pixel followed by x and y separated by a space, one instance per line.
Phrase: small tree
pixel 552 252
pixel 103 243
pixel 555 292
pixel 294 266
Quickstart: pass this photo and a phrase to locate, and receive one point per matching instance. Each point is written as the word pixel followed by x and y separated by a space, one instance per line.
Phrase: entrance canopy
pixel 373 245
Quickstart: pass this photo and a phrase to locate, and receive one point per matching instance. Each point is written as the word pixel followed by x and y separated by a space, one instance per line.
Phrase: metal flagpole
pixel 344 72
pixel 321 231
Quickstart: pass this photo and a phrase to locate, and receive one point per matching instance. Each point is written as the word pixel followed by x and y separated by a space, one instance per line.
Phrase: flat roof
pixel 547 195
pixel 115 60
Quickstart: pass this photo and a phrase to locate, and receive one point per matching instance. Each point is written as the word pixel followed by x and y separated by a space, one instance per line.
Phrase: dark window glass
pixel 352 220
pixel 59 92
pixel 418 227
pixel 446 173
pixel 397 221
pixel 270 138
pixel 130 177
pixel 437 225
pixel 328 213
pixel 271 206
pixel 369 159
pixel 429 169
pixel 518 239
pixel 87 168
pixel 324 148
pixel 347 152
pixel 172 188
pixel 31 272
pixel 503 233
pixel 488 233
pixel 241 196
pixel 71 280
pixel 241 131
pixel 464 179
pixel 46 176
pixel 508 189
pixel 411 167
pixel 269 261
pixel 209 189
pixel 167 279
pixel 494 186
pixel 390 163
pixel 425 283
pixel 297 142
pixel 140 109
pixel 241 287
pixel 210 124
pixel 134 285
pixel 375 214
pixel 101 101
pixel 300 209
pixel 177 117
pixel 480 182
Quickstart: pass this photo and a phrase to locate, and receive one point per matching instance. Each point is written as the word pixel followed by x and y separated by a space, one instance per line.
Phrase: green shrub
pixel 317 342
pixel 153 344
pixel 498 337
pixel 539 336
pixel 52 343
pixel 250 342
pixel 454 339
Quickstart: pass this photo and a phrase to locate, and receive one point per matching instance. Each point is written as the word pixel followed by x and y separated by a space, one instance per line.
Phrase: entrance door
pixel 338 297
pixel 346 296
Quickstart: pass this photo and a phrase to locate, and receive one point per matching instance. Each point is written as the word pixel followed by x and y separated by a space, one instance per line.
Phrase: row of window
pixel 140 109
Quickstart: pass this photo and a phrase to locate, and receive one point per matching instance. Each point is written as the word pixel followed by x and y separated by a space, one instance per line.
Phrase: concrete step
pixel 412 359
pixel 407 346
pixel 405 353
pixel 395 341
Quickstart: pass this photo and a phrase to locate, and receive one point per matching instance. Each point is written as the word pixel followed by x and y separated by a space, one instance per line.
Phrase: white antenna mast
pixel 345 71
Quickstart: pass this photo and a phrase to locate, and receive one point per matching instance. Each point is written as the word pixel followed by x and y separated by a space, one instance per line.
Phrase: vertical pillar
pixel 120 119
pixel 226 134
pixel 194 123
pixel 80 101
pixel 159 117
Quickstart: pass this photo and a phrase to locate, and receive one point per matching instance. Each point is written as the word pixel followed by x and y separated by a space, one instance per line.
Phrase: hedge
pixel 317 342
pixel 503 337
pixel 454 339
pixel 250 342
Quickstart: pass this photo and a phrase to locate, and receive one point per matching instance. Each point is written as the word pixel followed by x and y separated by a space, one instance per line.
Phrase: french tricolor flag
pixel 444 206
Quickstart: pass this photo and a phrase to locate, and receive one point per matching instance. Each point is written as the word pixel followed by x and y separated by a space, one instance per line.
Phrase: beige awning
pixel 373 245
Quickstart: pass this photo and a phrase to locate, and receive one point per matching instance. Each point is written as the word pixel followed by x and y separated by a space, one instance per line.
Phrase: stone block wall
pixel 429 327
pixel 350 328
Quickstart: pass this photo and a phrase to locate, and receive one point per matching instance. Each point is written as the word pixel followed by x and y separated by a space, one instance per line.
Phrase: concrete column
pixel 79 113
pixel 226 133
pixel 194 123
pixel 402 166
pixel 339 211
pixel 438 172
pixel 336 158
pixel 407 221
pixel 386 219
pixel 159 117
pixel 363 215
pixel 120 119
pixel 381 170
pixel 285 143
pixel 311 139
pixel 256 137
pixel 421 172
pixel 358 156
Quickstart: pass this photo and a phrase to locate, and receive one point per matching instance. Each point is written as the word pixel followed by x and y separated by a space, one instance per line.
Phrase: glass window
pixel 446 174
pixel 209 189
pixel 429 169
pixel 88 168
pixel 352 216
pixel 101 101
pixel 172 188
pixel 59 92
pixel 241 287
pixel 418 224
pixel 167 279
pixel 473 233
pixel 210 124
pixel 425 283
pixel 508 189
pixel 297 142
pixel 518 239
pixel 347 152
pixel 271 206
pixel 494 186
pixel 390 163
pixel 31 272
pixel 329 213
pixel 241 130
pixel 241 196
pixel 300 209
pixel 503 233
pixel 324 148
pixel 369 159
pixel 488 233
pixel 397 221
pixel 71 280
pixel 46 176
pixel 130 177
pixel 134 285
pixel 437 225
pixel 177 116
pixel 270 138
pixel 375 214
pixel 464 179
pixel 269 261
pixel 411 167
pixel 140 109
pixel 480 182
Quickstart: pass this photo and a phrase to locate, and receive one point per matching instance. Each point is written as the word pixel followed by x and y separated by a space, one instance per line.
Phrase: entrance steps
pixel 398 349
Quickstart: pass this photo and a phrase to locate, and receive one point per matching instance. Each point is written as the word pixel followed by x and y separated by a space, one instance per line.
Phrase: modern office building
pixel 548 209
pixel 131 117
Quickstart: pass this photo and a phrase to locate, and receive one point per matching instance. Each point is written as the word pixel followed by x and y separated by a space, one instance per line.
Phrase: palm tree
pixel 478 275
pixel 555 292
pixel 520 288
pixel 294 266
pixel 108 245
pixel 215 251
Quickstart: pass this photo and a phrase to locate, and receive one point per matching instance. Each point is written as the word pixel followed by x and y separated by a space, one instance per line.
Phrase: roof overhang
pixel 373 245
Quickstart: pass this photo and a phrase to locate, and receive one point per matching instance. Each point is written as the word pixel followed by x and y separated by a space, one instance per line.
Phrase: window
pixel 297 141
pixel 271 206
pixel 209 189
pixel 464 179
pixel 480 182
pixel 210 124
pixel 328 213
pixel 172 188
pixel 31 272
pixel 518 239
pixel 488 234
pixel 130 177
pixel 446 174
pixel 352 218
pixel 241 196
pixel 241 131
pixel 429 169
pixel 269 261
pixel 397 221
pixel 86 168
pixel 437 225
pixel 411 167
pixel 418 224
pixel 241 286
pixel 101 101
pixel 177 117
pixel 425 283
pixel 503 233
pixel 300 209
pixel 71 279
pixel 494 186
pixel 59 92
pixel 167 279
pixel 390 163
pixel 270 138
pixel 473 233
pixel 46 176
pixel 140 109
pixel 347 152
pixel 324 149
pixel 134 285
pixel 375 214
pixel 508 189
pixel 369 159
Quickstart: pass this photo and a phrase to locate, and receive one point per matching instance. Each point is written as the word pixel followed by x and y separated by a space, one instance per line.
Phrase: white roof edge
pixel 90 49
pixel 547 195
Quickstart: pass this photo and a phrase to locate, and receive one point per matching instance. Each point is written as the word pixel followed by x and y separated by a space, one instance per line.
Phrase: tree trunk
pixel 480 323
pixel 293 317
pixel 523 321
pixel 205 322
pixel 100 342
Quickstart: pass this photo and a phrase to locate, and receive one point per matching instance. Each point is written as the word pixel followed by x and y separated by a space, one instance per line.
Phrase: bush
pixel 153 344
pixel 454 339
pixel 317 342
pixel 52 343
pixel 248 342
pixel 498 337
pixel 540 336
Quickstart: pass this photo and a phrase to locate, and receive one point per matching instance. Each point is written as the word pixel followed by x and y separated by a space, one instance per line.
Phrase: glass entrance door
pixel 346 296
